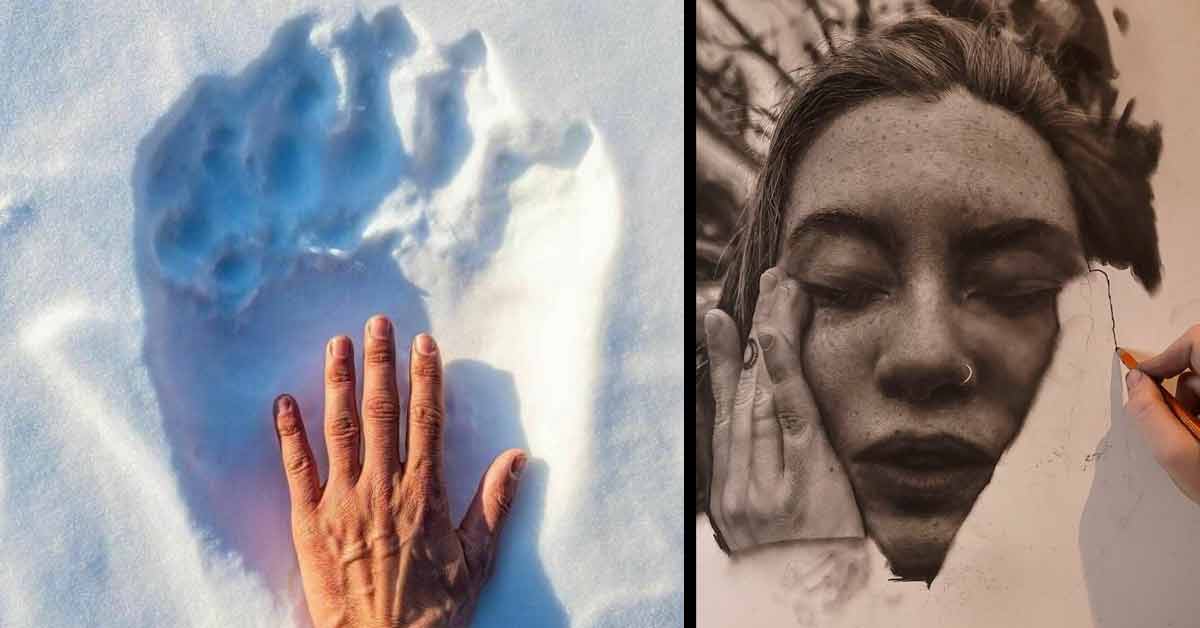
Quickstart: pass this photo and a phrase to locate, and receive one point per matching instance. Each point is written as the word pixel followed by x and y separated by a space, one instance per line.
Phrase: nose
pixel 924 361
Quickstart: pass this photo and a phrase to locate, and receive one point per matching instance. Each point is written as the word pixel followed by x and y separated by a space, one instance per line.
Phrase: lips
pixel 924 473
pixel 926 452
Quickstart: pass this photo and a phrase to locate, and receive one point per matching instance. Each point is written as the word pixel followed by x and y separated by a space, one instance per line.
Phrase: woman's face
pixel 933 239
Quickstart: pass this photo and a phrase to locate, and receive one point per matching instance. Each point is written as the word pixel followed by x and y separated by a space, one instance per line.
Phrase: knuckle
pixel 342 425
pixel 380 488
pixel 733 510
pixel 427 370
pixel 756 502
pixel 763 427
pixel 339 373
pixel 503 502
pixel 427 417
pixel 763 399
pixel 1193 332
pixel 382 408
pixel 288 424
pixel 424 472
pixel 297 463
pixel 716 358
pixel 380 354
pixel 434 498
pixel 791 422
pixel 1140 405
pixel 787 379
pixel 785 521
pixel 381 500
pixel 410 511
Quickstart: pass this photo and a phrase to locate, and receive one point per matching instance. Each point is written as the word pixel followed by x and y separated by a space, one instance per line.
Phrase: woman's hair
pixel 1107 163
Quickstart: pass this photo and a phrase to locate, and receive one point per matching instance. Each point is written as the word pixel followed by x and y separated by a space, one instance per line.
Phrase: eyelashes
pixel 849 298
pixel 1020 301
pixel 1015 299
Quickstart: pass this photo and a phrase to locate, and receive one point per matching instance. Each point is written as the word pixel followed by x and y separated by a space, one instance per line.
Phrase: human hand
pixel 775 474
pixel 1173 445
pixel 375 544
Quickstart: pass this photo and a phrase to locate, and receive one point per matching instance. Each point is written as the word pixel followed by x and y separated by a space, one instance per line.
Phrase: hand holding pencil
pixel 1169 423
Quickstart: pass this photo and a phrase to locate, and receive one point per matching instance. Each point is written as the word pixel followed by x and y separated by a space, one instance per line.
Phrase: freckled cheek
pixel 838 364
pixel 1019 355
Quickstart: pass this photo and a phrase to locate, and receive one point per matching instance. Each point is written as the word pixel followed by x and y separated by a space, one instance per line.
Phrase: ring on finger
pixel 751 354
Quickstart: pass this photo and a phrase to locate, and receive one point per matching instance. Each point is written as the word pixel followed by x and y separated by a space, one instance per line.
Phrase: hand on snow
pixel 375 543
pixel 775 475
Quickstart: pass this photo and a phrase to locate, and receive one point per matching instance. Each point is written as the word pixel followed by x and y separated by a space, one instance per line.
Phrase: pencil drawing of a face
pixel 934 237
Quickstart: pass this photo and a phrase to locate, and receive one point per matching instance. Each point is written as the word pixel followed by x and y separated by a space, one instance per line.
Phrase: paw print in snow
pixel 330 139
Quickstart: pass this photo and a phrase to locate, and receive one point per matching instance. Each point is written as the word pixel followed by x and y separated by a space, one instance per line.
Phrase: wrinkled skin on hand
pixel 375 544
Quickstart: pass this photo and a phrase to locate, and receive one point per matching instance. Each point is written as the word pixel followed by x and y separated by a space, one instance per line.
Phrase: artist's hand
pixel 1173 445
pixel 775 475
pixel 375 544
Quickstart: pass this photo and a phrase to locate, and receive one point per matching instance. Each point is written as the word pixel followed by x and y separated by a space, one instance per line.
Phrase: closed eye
pixel 1019 299
pixel 848 298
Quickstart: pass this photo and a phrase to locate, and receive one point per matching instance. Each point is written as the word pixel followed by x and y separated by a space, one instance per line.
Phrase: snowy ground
pixel 193 198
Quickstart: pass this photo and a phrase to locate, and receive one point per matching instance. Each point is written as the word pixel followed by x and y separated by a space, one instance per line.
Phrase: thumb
pixel 480 527
pixel 1172 444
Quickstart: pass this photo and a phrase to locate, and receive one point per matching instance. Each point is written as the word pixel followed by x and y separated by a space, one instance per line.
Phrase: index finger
pixel 1172 445
pixel 1177 357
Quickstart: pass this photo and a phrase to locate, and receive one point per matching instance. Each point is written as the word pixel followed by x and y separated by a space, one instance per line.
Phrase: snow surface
pixel 193 198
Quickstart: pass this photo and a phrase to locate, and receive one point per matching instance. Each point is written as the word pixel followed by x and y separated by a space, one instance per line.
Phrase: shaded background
pixel 1079 527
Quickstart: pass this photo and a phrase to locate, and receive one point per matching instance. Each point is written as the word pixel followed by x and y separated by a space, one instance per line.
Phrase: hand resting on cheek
pixel 775 475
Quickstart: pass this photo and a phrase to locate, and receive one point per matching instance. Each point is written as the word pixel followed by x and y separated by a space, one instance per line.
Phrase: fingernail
pixel 711 320
pixel 765 341
pixel 768 281
pixel 341 347
pixel 425 345
pixel 283 403
pixel 1133 378
pixel 518 465
pixel 380 328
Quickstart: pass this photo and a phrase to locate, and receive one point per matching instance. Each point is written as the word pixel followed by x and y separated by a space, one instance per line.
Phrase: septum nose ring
pixel 970 374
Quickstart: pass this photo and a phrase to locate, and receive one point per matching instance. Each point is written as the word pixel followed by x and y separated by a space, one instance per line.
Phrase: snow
pixel 193 198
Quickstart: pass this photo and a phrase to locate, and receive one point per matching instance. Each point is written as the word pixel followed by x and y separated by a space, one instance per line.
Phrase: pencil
pixel 1185 416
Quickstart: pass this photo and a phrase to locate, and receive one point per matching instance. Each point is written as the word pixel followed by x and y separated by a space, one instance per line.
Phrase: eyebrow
pixel 1018 233
pixel 1030 234
pixel 840 221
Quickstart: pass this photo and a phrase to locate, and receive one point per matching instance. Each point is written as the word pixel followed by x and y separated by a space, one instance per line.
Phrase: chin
pixel 915 546
pixel 914 515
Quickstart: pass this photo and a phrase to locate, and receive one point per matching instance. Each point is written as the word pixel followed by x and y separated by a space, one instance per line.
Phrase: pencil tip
pixel 1127 358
